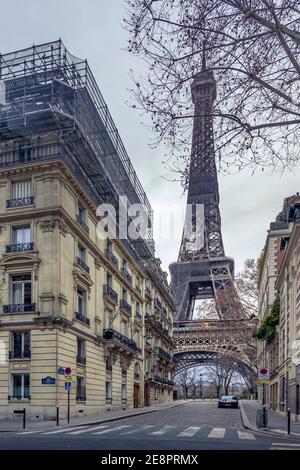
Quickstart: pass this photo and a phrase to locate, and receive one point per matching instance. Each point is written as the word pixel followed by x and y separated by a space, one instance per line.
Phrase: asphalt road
pixel 193 426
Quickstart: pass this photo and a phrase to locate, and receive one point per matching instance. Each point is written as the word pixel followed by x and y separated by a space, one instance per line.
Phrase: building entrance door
pixel 147 395
pixel 136 393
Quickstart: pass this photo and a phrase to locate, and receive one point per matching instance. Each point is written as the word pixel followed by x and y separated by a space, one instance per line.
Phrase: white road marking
pixel 118 428
pixel 63 430
pixel 142 428
pixel 189 432
pixel 281 431
pixel 162 431
pixel 28 432
pixel 217 433
pixel 81 431
pixel 285 444
pixel 246 435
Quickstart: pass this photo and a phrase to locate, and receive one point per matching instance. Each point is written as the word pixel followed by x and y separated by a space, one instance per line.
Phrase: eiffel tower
pixel 202 270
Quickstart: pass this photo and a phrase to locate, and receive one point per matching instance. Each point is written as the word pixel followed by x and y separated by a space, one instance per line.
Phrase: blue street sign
pixel 68 385
pixel 48 381
pixel 61 371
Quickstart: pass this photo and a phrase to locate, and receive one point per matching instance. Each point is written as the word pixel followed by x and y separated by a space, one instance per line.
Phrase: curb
pixel 246 424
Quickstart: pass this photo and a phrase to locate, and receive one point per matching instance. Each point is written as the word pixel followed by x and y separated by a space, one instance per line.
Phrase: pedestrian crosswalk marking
pixel 217 433
pixel 28 432
pixel 142 428
pixel 118 428
pixel 246 435
pixel 162 431
pixel 189 432
pixel 62 430
pixel 81 431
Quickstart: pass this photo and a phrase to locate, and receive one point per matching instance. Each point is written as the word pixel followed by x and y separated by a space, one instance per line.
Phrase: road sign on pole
pixel 263 374
pixel 68 385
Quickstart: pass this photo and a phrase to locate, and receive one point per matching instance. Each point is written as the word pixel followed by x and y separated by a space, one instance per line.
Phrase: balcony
pixel 164 354
pixel 80 360
pixel 18 308
pixel 19 397
pixel 110 294
pixel 121 340
pixel 82 318
pixel 82 224
pixel 127 276
pixel 19 202
pixel 112 258
pixel 19 354
pixel 125 307
pixel 19 247
pixel 82 264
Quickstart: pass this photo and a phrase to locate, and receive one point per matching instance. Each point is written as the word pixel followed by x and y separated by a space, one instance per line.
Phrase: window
pixel 108 391
pixel 138 309
pixel 80 349
pixel 21 289
pixel 81 302
pixel 124 294
pixel 123 392
pixel 21 189
pixel 21 386
pixel 137 337
pixel 109 246
pixel 20 344
pixel 81 213
pixel 109 362
pixel 109 280
pixel 21 234
pixel 25 153
pixel 124 328
pixel 81 253
pixel 80 389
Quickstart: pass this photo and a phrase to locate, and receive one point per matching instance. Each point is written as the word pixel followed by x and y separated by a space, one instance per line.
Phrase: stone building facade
pixel 99 306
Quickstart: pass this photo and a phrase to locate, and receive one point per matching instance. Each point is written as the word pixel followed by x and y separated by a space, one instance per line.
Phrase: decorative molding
pixel 47 225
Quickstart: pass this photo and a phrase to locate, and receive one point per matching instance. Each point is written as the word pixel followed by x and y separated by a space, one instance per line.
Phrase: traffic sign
pixel 68 378
pixel 61 371
pixel 263 373
pixel 68 385
pixel 68 370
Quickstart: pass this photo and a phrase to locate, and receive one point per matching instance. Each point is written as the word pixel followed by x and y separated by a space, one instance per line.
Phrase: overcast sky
pixel 92 29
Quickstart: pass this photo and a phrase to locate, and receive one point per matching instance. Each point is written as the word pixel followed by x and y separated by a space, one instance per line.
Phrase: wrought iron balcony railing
pixel 19 397
pixel 20 354
pixel 17 247
pixel 164 354
pixel 82 318
pixel 112 258
pixel 110 293
pixel 82 223
pixel 80 359
pixel 18 308
pixel 127 276
pixel 20 202
pixel 82 264
pixel 125 307
pixel 121 340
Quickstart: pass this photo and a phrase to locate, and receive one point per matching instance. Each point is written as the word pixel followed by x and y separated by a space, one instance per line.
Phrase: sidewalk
pixel 15 424
pixel 277 423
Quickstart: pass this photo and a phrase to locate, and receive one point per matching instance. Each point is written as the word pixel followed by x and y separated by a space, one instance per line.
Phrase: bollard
pixel 24 418
pixel 264 416
pixel 57 416
pixel 288 421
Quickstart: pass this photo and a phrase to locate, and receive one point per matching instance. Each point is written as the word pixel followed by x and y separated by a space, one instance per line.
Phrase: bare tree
pixel 252 46
pixel 247 287
pixel 187 380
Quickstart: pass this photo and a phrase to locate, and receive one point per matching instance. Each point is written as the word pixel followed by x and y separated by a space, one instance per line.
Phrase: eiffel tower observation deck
pixel 202 270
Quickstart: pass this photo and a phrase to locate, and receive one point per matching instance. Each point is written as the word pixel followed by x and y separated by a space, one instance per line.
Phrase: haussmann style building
pixel 99 306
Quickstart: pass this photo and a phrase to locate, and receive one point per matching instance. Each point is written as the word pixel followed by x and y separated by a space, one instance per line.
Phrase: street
pixel 192 426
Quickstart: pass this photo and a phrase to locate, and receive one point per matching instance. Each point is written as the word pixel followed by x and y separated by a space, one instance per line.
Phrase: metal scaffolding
pixel 45 89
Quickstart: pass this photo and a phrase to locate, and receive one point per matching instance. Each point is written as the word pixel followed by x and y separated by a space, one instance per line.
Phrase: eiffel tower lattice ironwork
pixel 202 270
